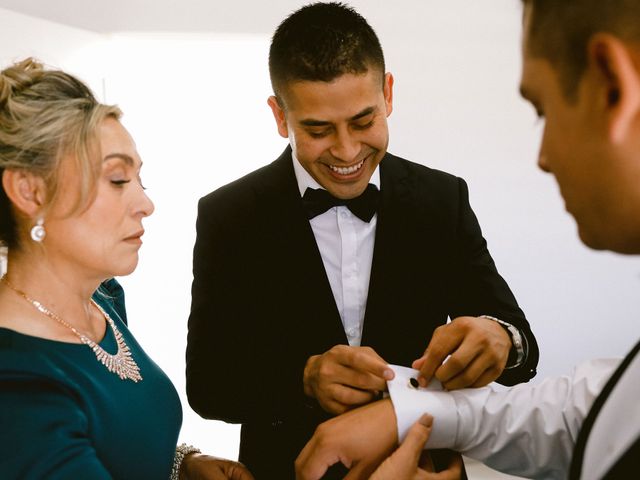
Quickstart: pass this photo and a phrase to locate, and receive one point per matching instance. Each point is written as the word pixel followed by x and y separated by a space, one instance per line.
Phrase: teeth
pixel 347 170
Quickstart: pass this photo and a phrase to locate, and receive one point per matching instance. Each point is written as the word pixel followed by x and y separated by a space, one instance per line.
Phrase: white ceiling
pixel 248 16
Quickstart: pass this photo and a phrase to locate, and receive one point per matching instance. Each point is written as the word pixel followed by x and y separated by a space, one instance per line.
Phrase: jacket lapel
pixel 404 303
pixel 304 283
pixel 388 253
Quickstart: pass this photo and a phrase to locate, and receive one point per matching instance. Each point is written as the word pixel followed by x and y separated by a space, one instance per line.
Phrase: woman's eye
pixel 119 183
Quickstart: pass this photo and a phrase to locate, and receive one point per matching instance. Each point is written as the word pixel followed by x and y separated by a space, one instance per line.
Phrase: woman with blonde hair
pixel 79 397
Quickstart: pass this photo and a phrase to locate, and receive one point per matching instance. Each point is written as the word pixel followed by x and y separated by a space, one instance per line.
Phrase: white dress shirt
pixel 346 247
pixel 528 430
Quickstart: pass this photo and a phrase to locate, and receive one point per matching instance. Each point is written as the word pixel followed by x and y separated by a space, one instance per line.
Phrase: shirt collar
pixel 305 180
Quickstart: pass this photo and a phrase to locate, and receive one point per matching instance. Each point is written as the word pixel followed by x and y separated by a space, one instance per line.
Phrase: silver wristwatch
pixel 517 340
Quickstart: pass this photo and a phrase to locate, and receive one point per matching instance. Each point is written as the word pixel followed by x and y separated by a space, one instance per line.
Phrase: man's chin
pixel 606 239
pixel 345 190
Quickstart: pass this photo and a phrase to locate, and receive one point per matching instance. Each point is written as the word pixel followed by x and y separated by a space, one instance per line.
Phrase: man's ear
pixel 26 191
pixel 388 92
pixel 279 116
pixel 613 63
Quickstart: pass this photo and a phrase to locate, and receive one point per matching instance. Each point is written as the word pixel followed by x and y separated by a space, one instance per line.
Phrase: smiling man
pixel 316 271
pixel 581 73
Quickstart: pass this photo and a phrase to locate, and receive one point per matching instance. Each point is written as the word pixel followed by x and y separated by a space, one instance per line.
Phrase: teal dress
pixel 63 415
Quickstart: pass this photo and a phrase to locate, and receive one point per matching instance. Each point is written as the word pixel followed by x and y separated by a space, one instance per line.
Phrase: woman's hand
pixel 197 466
pixel 411 462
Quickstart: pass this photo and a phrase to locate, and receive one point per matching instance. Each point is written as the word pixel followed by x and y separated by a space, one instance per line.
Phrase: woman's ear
pixel 26 191
pixel 619 84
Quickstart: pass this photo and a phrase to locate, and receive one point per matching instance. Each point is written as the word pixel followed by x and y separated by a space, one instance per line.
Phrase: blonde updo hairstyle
pixel 47 115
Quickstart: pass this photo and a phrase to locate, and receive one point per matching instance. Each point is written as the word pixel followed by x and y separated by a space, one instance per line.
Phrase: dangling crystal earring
pixel 38 232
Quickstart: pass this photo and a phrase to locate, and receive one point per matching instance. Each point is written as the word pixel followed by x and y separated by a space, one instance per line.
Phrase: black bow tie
pixel 364 207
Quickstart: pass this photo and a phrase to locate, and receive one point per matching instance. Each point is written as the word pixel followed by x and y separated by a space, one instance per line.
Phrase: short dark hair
pixel 320 42
pixel 559 31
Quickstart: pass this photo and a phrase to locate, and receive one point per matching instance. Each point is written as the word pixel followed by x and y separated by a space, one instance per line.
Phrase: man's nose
pixel 346 147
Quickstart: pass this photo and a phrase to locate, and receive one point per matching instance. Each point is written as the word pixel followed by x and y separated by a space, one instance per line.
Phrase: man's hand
pixel 478 349
pixel 345 377
pixel 204 467
pixel 411 462
pixel 359 439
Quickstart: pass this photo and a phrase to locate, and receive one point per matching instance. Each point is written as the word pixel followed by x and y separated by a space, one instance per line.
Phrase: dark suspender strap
pixel 583 436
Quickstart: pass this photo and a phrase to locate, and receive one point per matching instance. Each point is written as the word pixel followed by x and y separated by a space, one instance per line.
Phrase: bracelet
pixel 182 451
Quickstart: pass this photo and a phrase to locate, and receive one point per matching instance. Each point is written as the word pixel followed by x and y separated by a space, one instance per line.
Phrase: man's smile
pixel 347 170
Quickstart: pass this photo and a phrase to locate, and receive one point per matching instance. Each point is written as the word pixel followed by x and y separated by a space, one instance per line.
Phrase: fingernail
pixel 389 374
pixel 422 381
pixel 426 420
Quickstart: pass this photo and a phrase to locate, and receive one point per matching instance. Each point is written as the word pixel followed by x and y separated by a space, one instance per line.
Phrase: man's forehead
pixel 349 95
pixel 526 34
pixel 374 76
pixel 536 73
pixel 527 79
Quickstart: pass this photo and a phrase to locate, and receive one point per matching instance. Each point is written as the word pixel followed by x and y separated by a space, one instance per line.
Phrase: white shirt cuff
pixel 410 403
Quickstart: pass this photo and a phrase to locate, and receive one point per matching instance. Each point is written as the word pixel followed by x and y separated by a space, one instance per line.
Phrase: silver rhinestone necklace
pixel 122 363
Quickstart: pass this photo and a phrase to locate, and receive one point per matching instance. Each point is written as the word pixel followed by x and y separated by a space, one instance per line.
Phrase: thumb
pixel 403 463
pixel 413 444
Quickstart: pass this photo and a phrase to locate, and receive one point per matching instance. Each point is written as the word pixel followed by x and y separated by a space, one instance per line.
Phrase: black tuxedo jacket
pixel 262 303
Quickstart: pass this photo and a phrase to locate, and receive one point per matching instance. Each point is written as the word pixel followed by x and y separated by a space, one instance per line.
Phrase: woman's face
pixel 103 240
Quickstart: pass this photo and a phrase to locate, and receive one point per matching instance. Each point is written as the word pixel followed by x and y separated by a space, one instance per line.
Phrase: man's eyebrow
pixel 310 122
pixel 363 113
pixel 529 96
pixel 524 93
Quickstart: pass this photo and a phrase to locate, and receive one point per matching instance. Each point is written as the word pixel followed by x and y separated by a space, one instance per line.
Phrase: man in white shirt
pixel 581 72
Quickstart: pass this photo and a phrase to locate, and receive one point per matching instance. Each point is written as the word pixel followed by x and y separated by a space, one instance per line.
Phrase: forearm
pixel 528 430
pixel 479 289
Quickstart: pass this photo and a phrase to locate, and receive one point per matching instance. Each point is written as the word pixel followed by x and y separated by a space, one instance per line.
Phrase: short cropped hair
pixel 559 31
pixel 321 42
pixel 46 114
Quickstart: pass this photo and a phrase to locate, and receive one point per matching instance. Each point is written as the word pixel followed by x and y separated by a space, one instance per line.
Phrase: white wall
pixel 22 36
pixel 196 105
pixel 197 108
